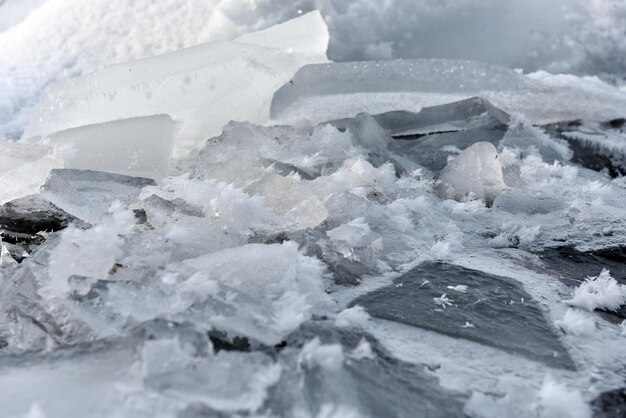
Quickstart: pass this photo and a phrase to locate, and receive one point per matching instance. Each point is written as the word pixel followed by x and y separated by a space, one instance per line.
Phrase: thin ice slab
pixel 469 304
pixel 139 146
pixel 322 92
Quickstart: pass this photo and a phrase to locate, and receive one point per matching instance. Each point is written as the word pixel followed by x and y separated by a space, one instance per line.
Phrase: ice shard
pixel 322 92
pixel 202 87
pixel 476 172
pixel 88 194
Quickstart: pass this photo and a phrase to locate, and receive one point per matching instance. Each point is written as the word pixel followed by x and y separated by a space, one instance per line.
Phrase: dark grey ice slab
pixel 405 75
pixel 594 157
pixel 492 304
pixel 382 386
pixel 32 214
pixel 428 150
pixel 457 116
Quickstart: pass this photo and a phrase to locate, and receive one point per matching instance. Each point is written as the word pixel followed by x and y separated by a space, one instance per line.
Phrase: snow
pixel 476 172
pixel 577 322
pixel 601 292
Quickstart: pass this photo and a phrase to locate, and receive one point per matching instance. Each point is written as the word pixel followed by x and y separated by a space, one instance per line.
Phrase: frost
pixel 558 401
pixel 576 322
pixel 213 381
pixel 100 244
pixel 601 292
pixel 337 411
pixel 363 350
pixel 271 288
pixel 458 288
pixel 443 301
pixel 354 317
pixel 329 357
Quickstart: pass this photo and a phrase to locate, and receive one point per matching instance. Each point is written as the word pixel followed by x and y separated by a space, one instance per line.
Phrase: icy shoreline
pixel 242 229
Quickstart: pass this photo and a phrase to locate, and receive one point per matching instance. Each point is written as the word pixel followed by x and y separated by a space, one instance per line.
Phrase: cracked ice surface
pixel 444 259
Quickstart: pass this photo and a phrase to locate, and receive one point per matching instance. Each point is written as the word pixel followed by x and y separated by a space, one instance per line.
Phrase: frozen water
pixel 241 74
pixel 88 194
pixel 24 168
pixel 321 92
pixel 599 146
pixel 490 304
pixel 476 172
pixel 557 400
pixel 312 270
pixel 51 41
pixel 136 146
pixel 462 115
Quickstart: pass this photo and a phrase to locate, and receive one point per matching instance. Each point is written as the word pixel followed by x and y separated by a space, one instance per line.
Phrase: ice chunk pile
pixel 381 262
pixel 241 75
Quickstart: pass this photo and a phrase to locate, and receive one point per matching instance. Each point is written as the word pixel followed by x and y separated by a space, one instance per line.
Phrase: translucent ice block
pixel 476 171
pixel 136 146
pixel 203 87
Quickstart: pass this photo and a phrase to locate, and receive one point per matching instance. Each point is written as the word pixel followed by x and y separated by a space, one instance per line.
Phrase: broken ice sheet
pixel 503 314
pixel 240 75
pixel 321 92
pixel 463 115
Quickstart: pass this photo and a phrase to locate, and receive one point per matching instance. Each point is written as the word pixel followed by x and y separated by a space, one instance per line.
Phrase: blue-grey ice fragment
pixel 89 194
pixel 503 315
